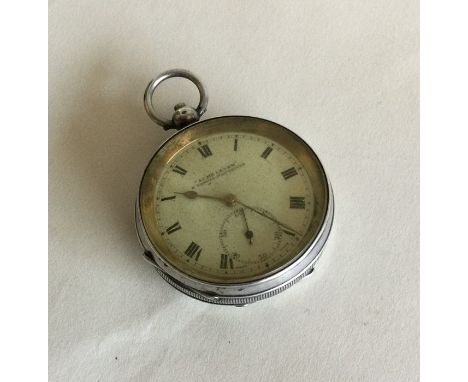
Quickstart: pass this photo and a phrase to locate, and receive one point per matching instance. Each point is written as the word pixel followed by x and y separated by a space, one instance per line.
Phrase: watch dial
pixel 233 205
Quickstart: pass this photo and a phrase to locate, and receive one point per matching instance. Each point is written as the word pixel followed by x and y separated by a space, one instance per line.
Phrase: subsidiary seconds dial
pixel 261 237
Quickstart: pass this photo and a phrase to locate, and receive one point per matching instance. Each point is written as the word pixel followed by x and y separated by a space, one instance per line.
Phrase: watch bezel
pixel 273 279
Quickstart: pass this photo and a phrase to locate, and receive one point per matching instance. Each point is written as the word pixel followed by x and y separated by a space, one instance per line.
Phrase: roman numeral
pixel 267 152
pixel 226 262
pixel 168 198
pixel 235 144
pixel 173 228
pixel 179 170
pixel 193 250
pixel 297 202
pixel 205 151
pixel 289 173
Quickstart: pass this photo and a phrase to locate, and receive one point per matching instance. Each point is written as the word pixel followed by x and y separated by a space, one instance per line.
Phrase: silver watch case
pixel 238 294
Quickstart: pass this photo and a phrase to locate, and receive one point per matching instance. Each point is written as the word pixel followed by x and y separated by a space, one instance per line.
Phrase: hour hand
pixel 228 199
pixel 189 194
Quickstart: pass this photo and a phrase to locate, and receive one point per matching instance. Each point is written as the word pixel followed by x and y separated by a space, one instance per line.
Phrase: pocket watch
pixel 231 210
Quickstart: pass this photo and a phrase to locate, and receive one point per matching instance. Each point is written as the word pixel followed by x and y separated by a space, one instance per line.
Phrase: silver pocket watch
pixel 231 210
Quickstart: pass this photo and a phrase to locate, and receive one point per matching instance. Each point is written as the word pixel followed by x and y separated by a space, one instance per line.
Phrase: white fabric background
pixel 344 75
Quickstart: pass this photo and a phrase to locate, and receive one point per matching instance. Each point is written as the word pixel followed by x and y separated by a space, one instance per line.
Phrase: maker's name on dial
pixel 218 173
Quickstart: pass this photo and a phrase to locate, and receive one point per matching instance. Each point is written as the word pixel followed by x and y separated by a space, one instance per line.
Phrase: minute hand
pixel 268 217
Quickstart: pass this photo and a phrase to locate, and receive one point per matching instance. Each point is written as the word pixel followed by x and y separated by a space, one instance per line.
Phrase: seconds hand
pixel 248 234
